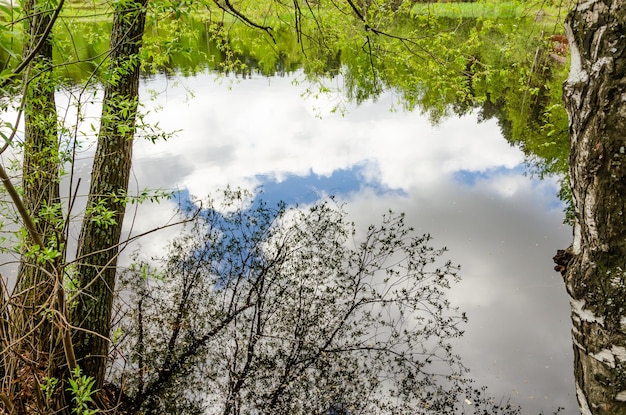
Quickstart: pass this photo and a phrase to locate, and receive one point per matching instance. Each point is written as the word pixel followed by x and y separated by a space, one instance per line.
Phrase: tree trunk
pixel 595 276
pixel 40 170
pixel 33 341
pixel 99 237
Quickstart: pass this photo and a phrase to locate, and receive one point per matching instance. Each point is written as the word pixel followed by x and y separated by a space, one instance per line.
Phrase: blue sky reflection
pixel 298 190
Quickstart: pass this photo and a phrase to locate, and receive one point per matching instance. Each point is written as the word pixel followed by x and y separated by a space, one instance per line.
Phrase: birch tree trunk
pixel 595 276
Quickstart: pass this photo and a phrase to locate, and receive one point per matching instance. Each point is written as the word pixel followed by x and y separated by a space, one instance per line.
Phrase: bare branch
pixel 231 10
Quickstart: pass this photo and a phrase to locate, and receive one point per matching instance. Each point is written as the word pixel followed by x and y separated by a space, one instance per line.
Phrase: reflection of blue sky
pixel 549 188
pixel 290 190
pixel 460 181
pixel 470 178
pixel 300 190
pixel 237 238
pixel 183 199
pixel 294 189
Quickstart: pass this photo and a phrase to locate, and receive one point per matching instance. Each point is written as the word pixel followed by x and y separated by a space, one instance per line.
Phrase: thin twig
pixel 230 9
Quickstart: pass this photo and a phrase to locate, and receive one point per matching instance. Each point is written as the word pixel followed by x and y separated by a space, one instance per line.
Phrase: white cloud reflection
pixel 233 132
pixel 459 181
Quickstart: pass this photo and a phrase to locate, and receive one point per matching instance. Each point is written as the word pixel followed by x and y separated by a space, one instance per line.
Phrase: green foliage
pixel 42 255
pixel 146 195
pixel 150 131
pixel 81 388
pixel 100 214
pixel 48 387
pixel 71 286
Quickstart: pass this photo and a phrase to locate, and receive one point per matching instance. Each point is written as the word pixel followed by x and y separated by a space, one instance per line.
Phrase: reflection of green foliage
pixel 471 9
pixel 521 88
pixel 441 58
pixel 8 48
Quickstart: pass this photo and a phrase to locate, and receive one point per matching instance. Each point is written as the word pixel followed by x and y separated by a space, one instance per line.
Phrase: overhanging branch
pixel 231 10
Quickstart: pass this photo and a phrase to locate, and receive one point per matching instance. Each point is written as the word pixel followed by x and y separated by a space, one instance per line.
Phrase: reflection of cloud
pixel 517 340
pixel 293 189
pixel 459 181
pixel 258 129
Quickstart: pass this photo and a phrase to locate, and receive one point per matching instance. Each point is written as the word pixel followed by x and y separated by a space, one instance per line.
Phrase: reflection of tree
pixel 533 118
pixel 440 66
pixel 292 311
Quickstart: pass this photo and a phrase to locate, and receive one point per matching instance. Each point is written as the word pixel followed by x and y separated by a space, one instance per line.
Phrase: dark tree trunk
pixel 40 173
pixel 33 341
pixel 99 238
pixel 595 276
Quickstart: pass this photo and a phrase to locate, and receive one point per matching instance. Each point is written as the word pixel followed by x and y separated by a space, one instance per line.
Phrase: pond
pixel 460 181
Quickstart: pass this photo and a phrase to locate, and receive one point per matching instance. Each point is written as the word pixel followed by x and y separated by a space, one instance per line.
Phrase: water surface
pixel 460 181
